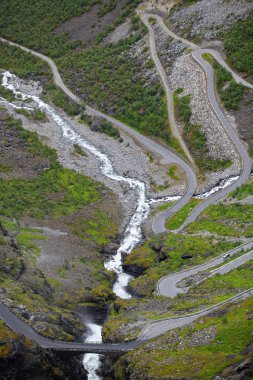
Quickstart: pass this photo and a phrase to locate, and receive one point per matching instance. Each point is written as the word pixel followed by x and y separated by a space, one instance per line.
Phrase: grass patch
pixel 232 220
pixel 56 191
pixel 230 92
pixel 177 350
pixel 162 207
pixel 195 137
pixel 27 237
pixel 99 228
pixel 5 93
pixel 4 168
pixel 79 150
pixel 107 128
pixel 39 115
pixel 35 115
pixel 172 172
pixel 243 191
pixel 163 255
pixel 61 100
pixel 176 220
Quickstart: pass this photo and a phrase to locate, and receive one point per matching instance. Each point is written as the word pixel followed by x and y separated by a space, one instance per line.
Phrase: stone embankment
pixel 192 21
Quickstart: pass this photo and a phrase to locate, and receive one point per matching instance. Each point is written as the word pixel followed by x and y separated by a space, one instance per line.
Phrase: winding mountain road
pixel 167 285
pixel 154 329
pixel 168 91
pixel 210 77
pixel 167 156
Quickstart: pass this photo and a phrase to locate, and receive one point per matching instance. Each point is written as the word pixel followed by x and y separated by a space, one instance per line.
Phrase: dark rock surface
pixel 21 359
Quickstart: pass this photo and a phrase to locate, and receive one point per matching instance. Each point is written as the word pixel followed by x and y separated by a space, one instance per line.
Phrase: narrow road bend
pixel 159 327
pixel 167 285
pixel 168 157
pixel 232 134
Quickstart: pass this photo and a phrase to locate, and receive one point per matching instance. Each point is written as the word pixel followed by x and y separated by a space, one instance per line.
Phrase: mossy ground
pixel 198 351
pixel 70 200
pixel 233 220
pixel 230 92
pixel 176 220
pixel 200 248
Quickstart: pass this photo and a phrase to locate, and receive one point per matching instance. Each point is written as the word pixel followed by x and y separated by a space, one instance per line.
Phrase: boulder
pixel 186 255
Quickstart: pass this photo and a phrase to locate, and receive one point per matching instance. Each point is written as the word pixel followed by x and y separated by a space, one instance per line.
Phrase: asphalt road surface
pixel 167 285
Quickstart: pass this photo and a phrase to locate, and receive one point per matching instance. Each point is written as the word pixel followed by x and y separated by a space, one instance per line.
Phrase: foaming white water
pixel 133 231
pixel 166 198
pixel 223 184
pixel 91 362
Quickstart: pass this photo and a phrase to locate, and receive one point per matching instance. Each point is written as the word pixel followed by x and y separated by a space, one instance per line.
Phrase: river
pixel 133 232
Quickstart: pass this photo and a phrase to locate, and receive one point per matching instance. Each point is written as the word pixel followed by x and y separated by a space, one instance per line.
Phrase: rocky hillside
pixel 22 359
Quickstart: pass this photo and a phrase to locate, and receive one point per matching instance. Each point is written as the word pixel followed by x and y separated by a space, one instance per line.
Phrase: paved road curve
pixel 167 286
pixel 240 147
pixel 168 156
pixel 23 328
pixel 168 91
pixel 157 328
pixel 232 134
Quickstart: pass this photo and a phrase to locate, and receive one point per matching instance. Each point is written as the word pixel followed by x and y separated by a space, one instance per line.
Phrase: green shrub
pixel 238 43
pixel 195 137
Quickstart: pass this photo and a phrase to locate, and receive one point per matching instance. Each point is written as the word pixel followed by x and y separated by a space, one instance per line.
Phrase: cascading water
pixel 222 185
pixel 132 234
pixel 91 362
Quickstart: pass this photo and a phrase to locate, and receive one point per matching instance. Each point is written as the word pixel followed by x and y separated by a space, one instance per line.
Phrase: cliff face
pixel 23 359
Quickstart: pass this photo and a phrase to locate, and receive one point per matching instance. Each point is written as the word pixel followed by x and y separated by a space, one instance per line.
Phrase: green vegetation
pixel 107 7
pixel 129 11
pixel 238 43
pixel 176 220
pixel 4 168
pixel 61 100
pixel 172 172
pixel 107 128
pixel 110 77
pixel 186 353
pixel 226 220
pixel 163 255
pixel 39 115
pixel 40 196
pixel 5 93
pixel 25 25
pixel 162 207
pixel 36 115
pixel 243 191
pixel 195 137
pixel 99 228
pixel 7 336
pixel 230 92
pixel 79 150
pixel 159 187
pixel 23 64
pixel 105 76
